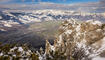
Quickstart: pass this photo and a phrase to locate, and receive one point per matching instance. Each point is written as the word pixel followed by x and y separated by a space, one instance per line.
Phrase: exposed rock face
pixel 78 41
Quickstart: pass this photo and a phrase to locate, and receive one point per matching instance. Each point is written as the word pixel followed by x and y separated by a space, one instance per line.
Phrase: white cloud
pixel 4 0
pixel 102 3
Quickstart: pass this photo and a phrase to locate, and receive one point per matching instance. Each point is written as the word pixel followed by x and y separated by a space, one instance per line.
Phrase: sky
pixel 84 5
pixel 51 1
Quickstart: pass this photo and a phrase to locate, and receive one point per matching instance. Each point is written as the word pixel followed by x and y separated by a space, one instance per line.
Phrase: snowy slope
pixel 78 41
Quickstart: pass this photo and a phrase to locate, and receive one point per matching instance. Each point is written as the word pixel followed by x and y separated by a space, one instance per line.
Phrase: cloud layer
pixel 102 3
pixel 88 7
pixel 5 0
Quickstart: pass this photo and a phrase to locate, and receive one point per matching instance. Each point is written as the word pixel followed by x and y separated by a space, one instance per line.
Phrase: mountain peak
pixel 79 40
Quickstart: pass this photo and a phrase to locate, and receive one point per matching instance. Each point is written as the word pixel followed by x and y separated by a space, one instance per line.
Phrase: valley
pixel 31 34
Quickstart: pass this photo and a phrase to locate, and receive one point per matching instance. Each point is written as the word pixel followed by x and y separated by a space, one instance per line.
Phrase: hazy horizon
pixel 46 1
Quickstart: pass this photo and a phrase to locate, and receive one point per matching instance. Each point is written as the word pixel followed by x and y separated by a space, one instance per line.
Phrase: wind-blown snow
pixel 7 25
pixel 98 58
pixel 68 32
pixel 0 17
pixel 20 49
pixel 52 48
pixel 1 54
pixel 2 29
pixel 60 39
pixel 95 22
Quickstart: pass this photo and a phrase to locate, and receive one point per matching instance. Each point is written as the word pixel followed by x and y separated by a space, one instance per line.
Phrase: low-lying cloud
pixel 5 0
pixel 102 3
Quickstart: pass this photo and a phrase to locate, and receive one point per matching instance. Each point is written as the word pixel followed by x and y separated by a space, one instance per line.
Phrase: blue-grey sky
pixel 83 5
pixel 51 1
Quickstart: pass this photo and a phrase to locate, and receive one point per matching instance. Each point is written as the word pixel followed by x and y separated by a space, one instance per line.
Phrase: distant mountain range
pixel 9 18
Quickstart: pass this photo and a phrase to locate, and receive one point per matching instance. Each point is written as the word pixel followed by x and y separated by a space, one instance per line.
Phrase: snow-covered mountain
pixel 9 18
pixel 77 41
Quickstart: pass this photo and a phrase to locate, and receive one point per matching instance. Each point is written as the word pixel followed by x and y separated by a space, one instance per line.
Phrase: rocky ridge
pixel 77 41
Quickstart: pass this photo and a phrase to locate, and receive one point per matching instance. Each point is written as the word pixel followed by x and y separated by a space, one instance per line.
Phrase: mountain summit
pixel 77 41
